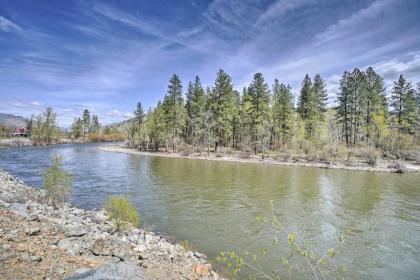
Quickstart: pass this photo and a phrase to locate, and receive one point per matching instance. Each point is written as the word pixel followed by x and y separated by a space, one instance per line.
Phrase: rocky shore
pixel 38 241
pixel 381 166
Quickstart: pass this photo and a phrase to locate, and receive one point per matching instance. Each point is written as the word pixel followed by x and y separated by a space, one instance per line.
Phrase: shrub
pixel 370 156
pixel 122 212
pixel 57 182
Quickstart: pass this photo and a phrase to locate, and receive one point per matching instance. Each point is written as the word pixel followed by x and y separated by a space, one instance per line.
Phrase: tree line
pixel 262 118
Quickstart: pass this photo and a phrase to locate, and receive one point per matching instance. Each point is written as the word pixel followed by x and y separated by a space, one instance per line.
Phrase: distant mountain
pixel 12 121
pixel 122 126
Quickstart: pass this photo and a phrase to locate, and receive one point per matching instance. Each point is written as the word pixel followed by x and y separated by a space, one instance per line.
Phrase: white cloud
pixel 355 23
pixel 279 8
pixel 6 25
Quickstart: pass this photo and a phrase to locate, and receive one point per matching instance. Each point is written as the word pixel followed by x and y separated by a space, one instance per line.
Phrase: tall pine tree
pixel 221 102
pixel 258 98
pixel 195 107
pixel 283 111
pixel 173 105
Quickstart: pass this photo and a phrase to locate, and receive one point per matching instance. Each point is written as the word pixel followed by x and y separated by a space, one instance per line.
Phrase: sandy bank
pixel 382 166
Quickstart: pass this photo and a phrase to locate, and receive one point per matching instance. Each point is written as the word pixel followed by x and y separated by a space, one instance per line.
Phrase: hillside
pixel 9 120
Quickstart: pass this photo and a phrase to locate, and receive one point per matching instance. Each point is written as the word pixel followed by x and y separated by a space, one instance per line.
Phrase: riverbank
pixel 38 241
pixel 26 142
pixel 381 166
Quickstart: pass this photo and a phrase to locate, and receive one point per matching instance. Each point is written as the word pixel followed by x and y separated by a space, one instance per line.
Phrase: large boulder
pixel 113 271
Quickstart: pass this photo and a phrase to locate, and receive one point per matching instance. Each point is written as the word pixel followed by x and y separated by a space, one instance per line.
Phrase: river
pixel 214 204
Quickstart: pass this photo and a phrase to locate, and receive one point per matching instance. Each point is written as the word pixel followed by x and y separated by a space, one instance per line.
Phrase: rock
pixel 73 245
pixel 199 255
pixel 76 232
pixel 59 270
pixel 24 257
pixel 101 247
pixel 36 258
pixel 19 209
pixel 34 218
pixel 202 269
pixel 33 231
pixel 114 271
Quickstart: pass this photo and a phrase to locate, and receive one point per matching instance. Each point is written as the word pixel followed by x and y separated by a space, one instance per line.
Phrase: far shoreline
pixel 383 166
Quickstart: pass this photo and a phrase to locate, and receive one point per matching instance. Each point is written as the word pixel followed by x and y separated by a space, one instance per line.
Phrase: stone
pixel 33 231
pixel 59 270
pixel 34 218
pixel 19 209
pixel 73 245
pixel 101 247
pixel 76 232
pixel 113 271
pixel 24 257
pixel 36 258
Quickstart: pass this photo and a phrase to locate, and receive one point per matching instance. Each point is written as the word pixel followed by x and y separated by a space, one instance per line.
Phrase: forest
pixel 265 120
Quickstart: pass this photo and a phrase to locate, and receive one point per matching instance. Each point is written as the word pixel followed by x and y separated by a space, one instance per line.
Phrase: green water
pixel 214 204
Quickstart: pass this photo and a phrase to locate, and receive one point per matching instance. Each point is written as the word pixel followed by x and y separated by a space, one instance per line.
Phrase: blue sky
pixel 107 55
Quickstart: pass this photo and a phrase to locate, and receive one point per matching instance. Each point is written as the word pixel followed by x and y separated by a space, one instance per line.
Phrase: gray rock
pixel 114 271
pixel 101 247
pixel 36 258
pixel 19 209
pixel 24 257
pixel 73 245
pixel 76 232
pixel 33 231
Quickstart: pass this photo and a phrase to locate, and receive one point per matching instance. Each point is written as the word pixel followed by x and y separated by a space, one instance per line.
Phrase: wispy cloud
pixel 8 26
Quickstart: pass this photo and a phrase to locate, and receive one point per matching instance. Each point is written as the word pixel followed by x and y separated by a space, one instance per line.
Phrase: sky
pixel 108 55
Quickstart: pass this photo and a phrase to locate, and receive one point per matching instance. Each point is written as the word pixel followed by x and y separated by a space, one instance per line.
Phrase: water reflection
pixel 214 204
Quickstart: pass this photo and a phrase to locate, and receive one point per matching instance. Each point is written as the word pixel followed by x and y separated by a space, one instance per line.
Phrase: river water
pixel 214 204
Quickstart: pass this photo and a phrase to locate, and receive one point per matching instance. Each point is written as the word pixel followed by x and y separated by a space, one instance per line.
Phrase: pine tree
pixel 86 123
pixel 195 107
pixel 173 105
pixel 308 107
pixel 237 116
pixel 221 101
pixel 375 100
pixel 258 98
pixel 77 128
pixel 321 96
pixel 95 126
pixel 344 99
pixel 137 131
pixel 282 111
pixel 403 103
pixel 156 125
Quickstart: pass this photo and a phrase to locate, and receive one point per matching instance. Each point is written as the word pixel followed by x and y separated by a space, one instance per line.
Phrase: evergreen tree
pixel 195 107
pixel 173 105
pixel 86 123
pixel 403 102
pixel 321 96
pixel 221 102
pixel 282 111
pixel 95 126
pixel 375 102
pixel 237 119
pixel 137 132
pixel 77 128
pixel 258 99
pixel 308 107
pixel 156 125
pixel 344 99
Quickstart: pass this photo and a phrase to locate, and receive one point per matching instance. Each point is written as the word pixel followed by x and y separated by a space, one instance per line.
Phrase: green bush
pixel 57 182
pixel 122 212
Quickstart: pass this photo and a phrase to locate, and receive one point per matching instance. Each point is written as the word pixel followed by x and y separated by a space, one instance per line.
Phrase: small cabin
pixel 20 132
